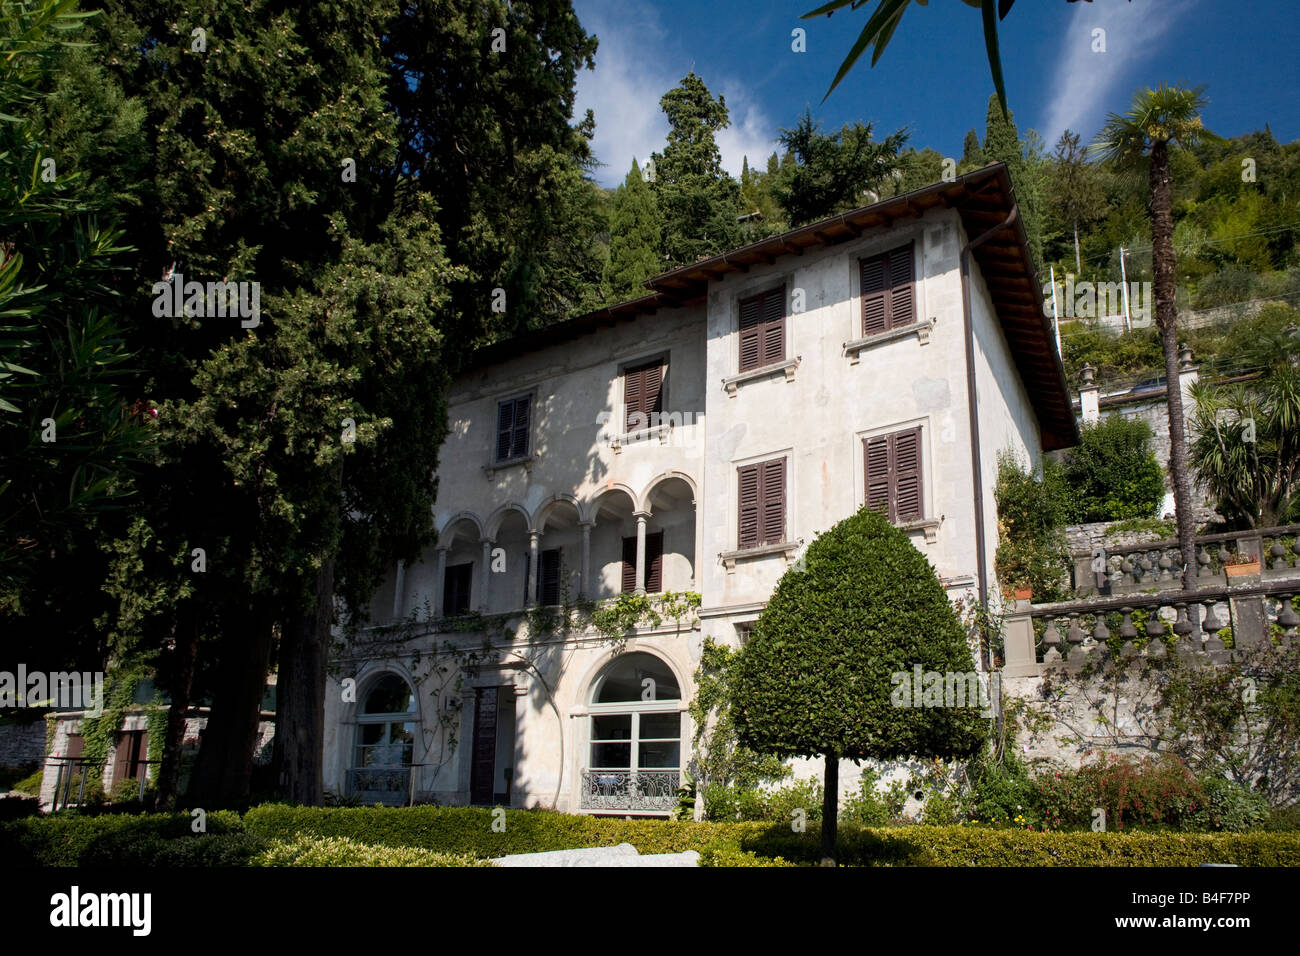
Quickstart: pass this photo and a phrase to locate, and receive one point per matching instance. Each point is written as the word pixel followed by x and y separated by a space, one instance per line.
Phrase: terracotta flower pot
pixel 1023 594
pixel 1241 570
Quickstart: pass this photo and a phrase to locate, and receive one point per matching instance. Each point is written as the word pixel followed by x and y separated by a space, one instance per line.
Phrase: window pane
pixel 372 734
pixel 659 755
pixel 660 726
pixel 611 756
pixel 612 727
pixel 625 680
pixel 390 696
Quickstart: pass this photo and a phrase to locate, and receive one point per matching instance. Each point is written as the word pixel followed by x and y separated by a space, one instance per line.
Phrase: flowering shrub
pixel 1145 793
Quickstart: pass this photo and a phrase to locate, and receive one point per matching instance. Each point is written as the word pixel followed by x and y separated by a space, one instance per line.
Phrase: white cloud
pixel 634 68
pixel 1089 85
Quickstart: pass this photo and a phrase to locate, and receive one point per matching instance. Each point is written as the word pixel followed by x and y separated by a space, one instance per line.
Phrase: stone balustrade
pixel 1159 564
pixel 1212 623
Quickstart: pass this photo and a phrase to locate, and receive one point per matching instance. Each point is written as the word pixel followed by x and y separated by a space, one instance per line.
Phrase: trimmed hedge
pixel 74 840
pixel 452 836
pixel 339 851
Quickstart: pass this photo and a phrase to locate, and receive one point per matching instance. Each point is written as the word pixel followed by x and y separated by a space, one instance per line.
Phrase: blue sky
pixel 934 76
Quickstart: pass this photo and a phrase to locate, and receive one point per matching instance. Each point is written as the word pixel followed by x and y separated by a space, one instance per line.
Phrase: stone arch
pixel 544 510
pixel 493 523
pixel 455 519
pixel 643 503
pixel 587 510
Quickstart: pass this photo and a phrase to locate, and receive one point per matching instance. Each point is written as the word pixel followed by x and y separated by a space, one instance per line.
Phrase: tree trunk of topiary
pixel 830 808
pixel 1162 260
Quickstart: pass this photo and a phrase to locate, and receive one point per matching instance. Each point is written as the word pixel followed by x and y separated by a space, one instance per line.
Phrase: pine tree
pixel 698 200
pixel 636 232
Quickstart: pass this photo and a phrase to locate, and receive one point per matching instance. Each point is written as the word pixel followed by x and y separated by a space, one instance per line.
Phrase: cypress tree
pixel 635 232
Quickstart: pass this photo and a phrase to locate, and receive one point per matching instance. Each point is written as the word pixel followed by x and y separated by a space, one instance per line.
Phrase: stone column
pixel 1089 394
pixel 485 575
pixel 1188 375
pixel 534 585
pixel 1019 643
pixel 641 517
pixel 440 579
pixel 585 572
pixel 399 588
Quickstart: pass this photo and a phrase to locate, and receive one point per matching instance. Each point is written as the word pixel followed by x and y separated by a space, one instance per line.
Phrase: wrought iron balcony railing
pixel 629 790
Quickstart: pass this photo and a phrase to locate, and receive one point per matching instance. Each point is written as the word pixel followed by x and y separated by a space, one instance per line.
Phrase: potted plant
pixel 1022 592
pixel 1236 564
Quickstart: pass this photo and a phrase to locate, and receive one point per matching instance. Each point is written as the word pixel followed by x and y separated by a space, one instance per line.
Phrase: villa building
pixel 691 441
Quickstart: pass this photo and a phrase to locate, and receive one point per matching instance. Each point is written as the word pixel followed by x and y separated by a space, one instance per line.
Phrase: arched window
pixel 386 725
pixel 635 742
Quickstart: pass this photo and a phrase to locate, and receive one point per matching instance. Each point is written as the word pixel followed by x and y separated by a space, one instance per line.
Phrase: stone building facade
pixel 692 441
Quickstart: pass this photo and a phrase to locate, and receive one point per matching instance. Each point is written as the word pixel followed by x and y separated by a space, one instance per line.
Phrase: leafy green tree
pixel 487 132
pixel 721 767
pixel 1032 513
pixel 819 674
pixel 1247 446
pixel 1142 136
pixel 70 441
pixel 1113 473
pixel 636 232
pixel 833 173
pixel 1074 193
pixel 699 202
pixel 918 169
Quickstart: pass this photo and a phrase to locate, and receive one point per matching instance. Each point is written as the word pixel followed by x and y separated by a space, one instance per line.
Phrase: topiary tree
pixel 819 674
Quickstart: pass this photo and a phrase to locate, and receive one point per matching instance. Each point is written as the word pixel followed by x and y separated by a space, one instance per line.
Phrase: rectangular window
pixel 654 556
pixel 642 395
pixel 513 416
pixel 550 577
pixel 455 588
pixel 762 329
pixel 893 468
pixel 888 291
pixel 762 503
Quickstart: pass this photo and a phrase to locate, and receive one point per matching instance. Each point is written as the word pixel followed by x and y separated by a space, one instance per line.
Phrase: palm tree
pixel 1157 118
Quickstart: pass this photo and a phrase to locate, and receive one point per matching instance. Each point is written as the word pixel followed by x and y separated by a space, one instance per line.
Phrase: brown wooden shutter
pixel 909 503
pixel 505 428
pixel 893 475
pixel 773 530
pixel 652 384
pixel 877 461
pixel 654 559
pixel 642 391
pixel 629 565
pixel 902 286
pixel 875 293
pixel 633 381
pixel 519 436
pixel 749 506
pixel 774 326
pixel 550 576
pixel 751 328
